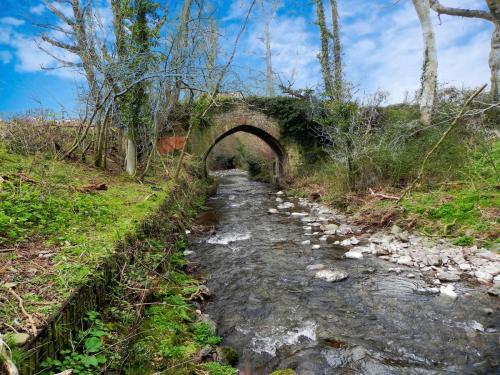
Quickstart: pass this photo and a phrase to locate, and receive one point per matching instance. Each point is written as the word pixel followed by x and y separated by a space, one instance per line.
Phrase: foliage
pixel 78 230
pixel 295 117
pixel 89 354
pixel 215 368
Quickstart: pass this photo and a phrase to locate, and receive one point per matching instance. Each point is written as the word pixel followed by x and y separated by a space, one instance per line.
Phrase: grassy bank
pixel 457 199
pixel 58 221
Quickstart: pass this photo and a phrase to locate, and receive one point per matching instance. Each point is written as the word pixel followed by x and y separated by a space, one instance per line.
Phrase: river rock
pixel 427 291
pixel 300 214
pixel 286 206
pixel 279 193
pixel 332 276
pixel 432 260
pixel 331 228
pixel 273 211
pixel 379 251
pixel 493 268
pixel 344 230
pixel 316 247
pixel 476 326
pixel 188 252
pixel 483 277
pixel 494 290
pixel 465 266
pixel 354 240
pixel 405 260
pixel 395 230
pixel 448 291
pixel 279 200
pixel 447 276
pixel 353 254
pixel 306 242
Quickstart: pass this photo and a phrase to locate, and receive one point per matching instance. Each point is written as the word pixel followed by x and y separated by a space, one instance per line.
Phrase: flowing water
pixel 278 315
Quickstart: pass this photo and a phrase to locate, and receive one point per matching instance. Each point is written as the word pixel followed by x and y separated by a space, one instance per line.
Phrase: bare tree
pixel 429 66
pixel 492 16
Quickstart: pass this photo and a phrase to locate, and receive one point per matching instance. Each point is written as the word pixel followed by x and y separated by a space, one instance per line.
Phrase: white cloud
pixel 5 57
pixel 37 10
pixel 11 21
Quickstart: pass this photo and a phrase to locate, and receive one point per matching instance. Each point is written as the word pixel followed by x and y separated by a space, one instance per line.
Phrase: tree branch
pixel 469 13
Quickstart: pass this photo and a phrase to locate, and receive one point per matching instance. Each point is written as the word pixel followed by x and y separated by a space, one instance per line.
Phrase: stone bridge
pixel 241 118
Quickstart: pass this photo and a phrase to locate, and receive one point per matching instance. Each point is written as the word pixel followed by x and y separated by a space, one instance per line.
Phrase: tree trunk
pixel 337 52
pixel 494 60
pixel 131 157
pixel 267 43
pixel 324 55
pixel 429 67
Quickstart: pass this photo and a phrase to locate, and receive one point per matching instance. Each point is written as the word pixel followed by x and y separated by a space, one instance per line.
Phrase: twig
pixel 21 306
pixel 445 134
pixel 5 359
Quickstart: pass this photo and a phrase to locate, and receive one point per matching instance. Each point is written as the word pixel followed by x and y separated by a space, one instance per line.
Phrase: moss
pixel 284 372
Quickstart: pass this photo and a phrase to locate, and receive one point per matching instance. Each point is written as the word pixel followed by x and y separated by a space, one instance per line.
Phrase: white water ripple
pixel 282 336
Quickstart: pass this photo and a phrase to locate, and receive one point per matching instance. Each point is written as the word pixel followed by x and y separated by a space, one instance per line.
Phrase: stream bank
pixel 285 295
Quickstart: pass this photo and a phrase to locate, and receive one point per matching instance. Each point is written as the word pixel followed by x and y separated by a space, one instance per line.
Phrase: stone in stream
pixel 448 291
pixel 273 211
pixel 447 276
pixel 306 242
pixel 188 252
pixel 353 254
pixel 495 290
pixel 316 247
pixel 465 266
pixel 344 230
pixel 331 228
pixel 300 214
pixel 432 260
pixel 332 276
pixel 279 193
pixel 279 200
pixel 285 206
pixel 405 260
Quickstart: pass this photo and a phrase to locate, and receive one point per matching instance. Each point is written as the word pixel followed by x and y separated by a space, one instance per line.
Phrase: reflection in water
pixel 269 306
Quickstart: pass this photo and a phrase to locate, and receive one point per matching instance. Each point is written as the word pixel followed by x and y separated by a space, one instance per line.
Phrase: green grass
pixel 50 214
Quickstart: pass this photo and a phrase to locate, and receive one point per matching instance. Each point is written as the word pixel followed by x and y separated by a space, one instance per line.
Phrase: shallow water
pixel 276 314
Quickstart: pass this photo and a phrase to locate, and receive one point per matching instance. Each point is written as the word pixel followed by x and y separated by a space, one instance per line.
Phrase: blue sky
pixel 381 43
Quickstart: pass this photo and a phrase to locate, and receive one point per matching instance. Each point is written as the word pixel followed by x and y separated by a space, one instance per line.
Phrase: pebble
pixel 188 252
pixel 306 242
pixel 316 247
pixel 273 211
pixel 332 276
pixel 353 254
pixel 300 214
pixel 410 276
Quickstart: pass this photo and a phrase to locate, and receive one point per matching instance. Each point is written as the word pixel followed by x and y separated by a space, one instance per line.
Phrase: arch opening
pixel 270 140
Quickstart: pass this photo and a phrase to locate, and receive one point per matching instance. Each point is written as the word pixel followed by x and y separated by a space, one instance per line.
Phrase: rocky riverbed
pixel 437 261
pixel 296 285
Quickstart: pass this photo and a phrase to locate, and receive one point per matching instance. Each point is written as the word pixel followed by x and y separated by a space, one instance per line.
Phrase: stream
pixel 269 304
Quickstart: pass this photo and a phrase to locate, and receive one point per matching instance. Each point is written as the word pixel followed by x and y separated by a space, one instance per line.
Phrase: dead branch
pixel 21 306
pixel 383 196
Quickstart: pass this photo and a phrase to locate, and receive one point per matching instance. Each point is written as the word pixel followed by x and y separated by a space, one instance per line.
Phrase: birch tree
pixel 493 16
pixel 429 66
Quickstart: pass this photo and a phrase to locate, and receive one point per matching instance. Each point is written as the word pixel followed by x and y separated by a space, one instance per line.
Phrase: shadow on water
pixel 277 314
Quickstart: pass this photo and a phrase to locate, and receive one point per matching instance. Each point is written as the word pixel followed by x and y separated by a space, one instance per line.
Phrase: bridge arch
pixel 269 139
pixel 241 118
